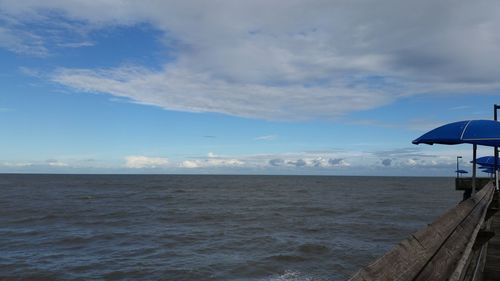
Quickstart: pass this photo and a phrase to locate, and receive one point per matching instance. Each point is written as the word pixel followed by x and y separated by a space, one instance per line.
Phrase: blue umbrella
pixel 480 132
pixel 476 132
pixel 488 161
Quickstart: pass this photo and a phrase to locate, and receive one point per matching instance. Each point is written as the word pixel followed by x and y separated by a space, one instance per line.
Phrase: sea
pixel 206 227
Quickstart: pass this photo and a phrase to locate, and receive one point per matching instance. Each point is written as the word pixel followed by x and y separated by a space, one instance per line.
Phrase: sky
pixel 242 87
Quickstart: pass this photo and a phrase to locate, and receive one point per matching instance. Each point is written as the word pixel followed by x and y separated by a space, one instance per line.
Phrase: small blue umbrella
pixel 480 132
pixel 488 170
pixel 476 132
pixel 460 172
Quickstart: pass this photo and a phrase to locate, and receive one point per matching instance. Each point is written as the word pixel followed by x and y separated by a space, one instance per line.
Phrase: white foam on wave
pixel 290 275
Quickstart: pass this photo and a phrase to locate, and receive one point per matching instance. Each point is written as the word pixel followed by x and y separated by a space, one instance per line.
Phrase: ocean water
pixel 173 227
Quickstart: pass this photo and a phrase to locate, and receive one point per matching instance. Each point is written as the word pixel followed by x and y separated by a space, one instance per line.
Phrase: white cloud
pixel 56 163
pixel 297 163
pixel 320 162
pixel 411 162
pixel 138 162
pixel 313 59
pixel 338 162
pixel 190 164
pixel 212 160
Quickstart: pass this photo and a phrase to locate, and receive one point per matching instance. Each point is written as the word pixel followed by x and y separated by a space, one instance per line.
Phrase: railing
pixel 466 183
pixel 441 251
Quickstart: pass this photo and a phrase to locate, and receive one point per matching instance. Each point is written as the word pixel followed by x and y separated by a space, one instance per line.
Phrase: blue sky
pixel 254 87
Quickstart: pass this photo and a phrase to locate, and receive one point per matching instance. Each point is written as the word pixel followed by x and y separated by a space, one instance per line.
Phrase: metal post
pixel 474 151
pixel 495 108
pixel 458 157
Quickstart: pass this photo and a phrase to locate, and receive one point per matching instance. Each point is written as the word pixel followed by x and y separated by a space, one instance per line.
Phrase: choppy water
pixel 102 227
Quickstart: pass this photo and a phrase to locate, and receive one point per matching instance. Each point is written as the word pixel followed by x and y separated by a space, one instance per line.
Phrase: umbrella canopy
pixel 487 161
pixel 481 132
pixel 461 171
pixel 488 170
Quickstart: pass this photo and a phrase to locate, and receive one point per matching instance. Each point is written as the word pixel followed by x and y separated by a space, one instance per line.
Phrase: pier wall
pixel 441 251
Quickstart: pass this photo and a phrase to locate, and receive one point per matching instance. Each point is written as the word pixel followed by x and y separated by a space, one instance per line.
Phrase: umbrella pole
pixel 474 150
pixel 496 167
pixel 495 117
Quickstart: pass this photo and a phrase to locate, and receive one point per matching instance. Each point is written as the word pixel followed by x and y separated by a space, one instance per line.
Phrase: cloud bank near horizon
pixel 400 161
pixel 268 60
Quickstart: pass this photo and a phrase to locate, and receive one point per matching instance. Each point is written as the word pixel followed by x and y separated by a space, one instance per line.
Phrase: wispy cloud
pixel 22 42
pixel 460 107
pixel 183 90
pixel 17 164
pixel 414 151
pixel 424 124
pixel 266 138
pixel 76 44
pixel 33 72
pixel 211 162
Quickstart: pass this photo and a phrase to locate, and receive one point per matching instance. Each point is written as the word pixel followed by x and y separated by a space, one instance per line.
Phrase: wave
pixel 287 258
pixel 313 249
pixel 291 275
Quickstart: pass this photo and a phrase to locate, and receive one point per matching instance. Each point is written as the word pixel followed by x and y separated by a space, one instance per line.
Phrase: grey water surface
pixel 184 227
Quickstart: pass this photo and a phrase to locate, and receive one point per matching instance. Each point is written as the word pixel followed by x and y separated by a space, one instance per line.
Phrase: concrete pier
pixel 452 248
